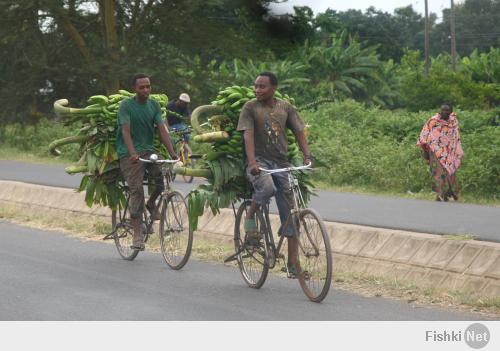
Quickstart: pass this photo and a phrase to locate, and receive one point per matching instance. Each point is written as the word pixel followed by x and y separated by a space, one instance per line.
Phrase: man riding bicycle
pixel 264 122
pixel 137 118
pixel 178 112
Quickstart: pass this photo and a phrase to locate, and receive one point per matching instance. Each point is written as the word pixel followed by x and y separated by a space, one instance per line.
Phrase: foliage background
pixel 369 62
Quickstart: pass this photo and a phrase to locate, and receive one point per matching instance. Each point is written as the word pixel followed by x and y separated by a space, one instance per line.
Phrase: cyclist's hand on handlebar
pixel 308 161
pixel 134 158
pixel 254 168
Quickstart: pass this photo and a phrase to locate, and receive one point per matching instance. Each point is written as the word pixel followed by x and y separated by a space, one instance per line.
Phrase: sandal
pixel 290 271
pixel 139 246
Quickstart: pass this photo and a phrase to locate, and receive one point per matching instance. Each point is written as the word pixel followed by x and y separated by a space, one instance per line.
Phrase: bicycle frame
pixel 182 141
pixel 166 171
pixel 298 204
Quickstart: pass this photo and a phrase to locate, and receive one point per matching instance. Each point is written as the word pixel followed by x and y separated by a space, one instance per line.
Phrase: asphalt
pixel 483 222
pixel 50 276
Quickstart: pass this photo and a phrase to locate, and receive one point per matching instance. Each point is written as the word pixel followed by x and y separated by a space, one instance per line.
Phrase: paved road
pixel 378 211
pixel 49 276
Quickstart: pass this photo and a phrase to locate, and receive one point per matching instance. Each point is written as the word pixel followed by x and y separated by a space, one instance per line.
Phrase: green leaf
pixel 89 195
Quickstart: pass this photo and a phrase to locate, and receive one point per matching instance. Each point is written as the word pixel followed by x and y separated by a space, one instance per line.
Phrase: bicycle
pixel 314 268
pixel 176 235
pixel 186 154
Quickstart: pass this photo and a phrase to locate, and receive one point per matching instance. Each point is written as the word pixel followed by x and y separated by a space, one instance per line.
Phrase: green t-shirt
pixel 142 119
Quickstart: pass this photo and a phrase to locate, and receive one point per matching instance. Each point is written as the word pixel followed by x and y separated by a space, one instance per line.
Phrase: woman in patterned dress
pixel 442 150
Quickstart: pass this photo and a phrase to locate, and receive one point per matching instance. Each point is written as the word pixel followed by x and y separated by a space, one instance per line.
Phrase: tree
pixel 477 27
pixel 341 66
pixel 75 48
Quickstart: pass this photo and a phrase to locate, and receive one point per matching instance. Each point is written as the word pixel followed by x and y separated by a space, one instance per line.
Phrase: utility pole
pixel 426 40
pixel 453 43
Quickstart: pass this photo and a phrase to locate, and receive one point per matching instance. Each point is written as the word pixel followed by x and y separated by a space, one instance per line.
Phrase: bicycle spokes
pixel 176 235
pixel 315 263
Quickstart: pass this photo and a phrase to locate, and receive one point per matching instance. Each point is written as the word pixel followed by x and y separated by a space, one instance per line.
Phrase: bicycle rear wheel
pixel 315 255
pixel 123 235
pixel 188 161
pixel 252 260
pixel 176 235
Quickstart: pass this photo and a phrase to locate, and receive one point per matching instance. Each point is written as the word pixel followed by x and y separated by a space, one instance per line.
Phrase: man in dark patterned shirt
pixel 263 122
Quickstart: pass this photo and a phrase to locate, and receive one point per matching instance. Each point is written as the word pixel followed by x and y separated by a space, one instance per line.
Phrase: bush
pixel 469 87
pixel 377 149
pixel 37 137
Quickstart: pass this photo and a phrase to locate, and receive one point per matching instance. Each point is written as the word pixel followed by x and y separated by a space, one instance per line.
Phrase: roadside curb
pixel 423 259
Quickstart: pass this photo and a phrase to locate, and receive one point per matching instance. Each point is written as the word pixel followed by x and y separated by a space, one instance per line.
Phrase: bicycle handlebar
pixel 287 169
pixel 154 159
pixel 186 130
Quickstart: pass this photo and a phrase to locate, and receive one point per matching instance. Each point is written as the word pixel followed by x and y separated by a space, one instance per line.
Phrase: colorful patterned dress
pixel 440 142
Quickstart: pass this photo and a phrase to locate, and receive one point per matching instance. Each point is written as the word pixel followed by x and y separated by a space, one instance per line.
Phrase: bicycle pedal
pixel 109 236
pixel 289 274
pixel 231 258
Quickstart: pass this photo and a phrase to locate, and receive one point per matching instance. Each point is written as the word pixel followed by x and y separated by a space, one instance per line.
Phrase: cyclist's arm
pixel 178 115
pixel 127 138
pixel 188 116
pixel 248 136
pixel 297 126
pixel 304 147
pixel 165 138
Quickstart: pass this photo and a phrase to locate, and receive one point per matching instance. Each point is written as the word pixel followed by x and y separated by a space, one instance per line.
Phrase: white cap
pixel 184 97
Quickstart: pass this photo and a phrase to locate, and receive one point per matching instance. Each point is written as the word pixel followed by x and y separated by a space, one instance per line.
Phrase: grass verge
pixel 88 227
pixel 14 154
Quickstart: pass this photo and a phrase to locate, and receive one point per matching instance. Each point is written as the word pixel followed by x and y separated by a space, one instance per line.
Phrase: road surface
pixel 50 276
pixel 378 211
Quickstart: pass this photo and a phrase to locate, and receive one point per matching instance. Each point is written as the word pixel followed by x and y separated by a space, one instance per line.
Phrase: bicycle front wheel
pixel 176 235
pixel 188 161
pixel 315 255
pixel 123 234
pixel 252 260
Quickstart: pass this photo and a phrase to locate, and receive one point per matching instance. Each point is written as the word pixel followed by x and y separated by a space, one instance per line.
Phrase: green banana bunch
pixel 96 135
pixel 226 159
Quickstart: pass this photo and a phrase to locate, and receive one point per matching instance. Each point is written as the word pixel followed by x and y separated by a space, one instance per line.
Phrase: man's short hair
pixel 272 78
pixel 138 76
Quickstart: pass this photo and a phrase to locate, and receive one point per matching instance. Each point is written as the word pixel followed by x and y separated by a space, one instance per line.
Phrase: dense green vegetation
pixel 370 63
pixel 366 148
pixel 376 149
pixel 74 49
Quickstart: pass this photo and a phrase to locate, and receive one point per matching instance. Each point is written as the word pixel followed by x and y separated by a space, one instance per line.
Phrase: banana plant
pixel 342 63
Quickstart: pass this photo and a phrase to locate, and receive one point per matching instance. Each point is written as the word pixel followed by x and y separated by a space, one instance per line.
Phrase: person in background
pixel 180 115
pixel 442 150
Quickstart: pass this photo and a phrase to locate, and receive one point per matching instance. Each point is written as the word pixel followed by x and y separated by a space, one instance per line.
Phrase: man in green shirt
pixel 263 122
pixel 137 118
